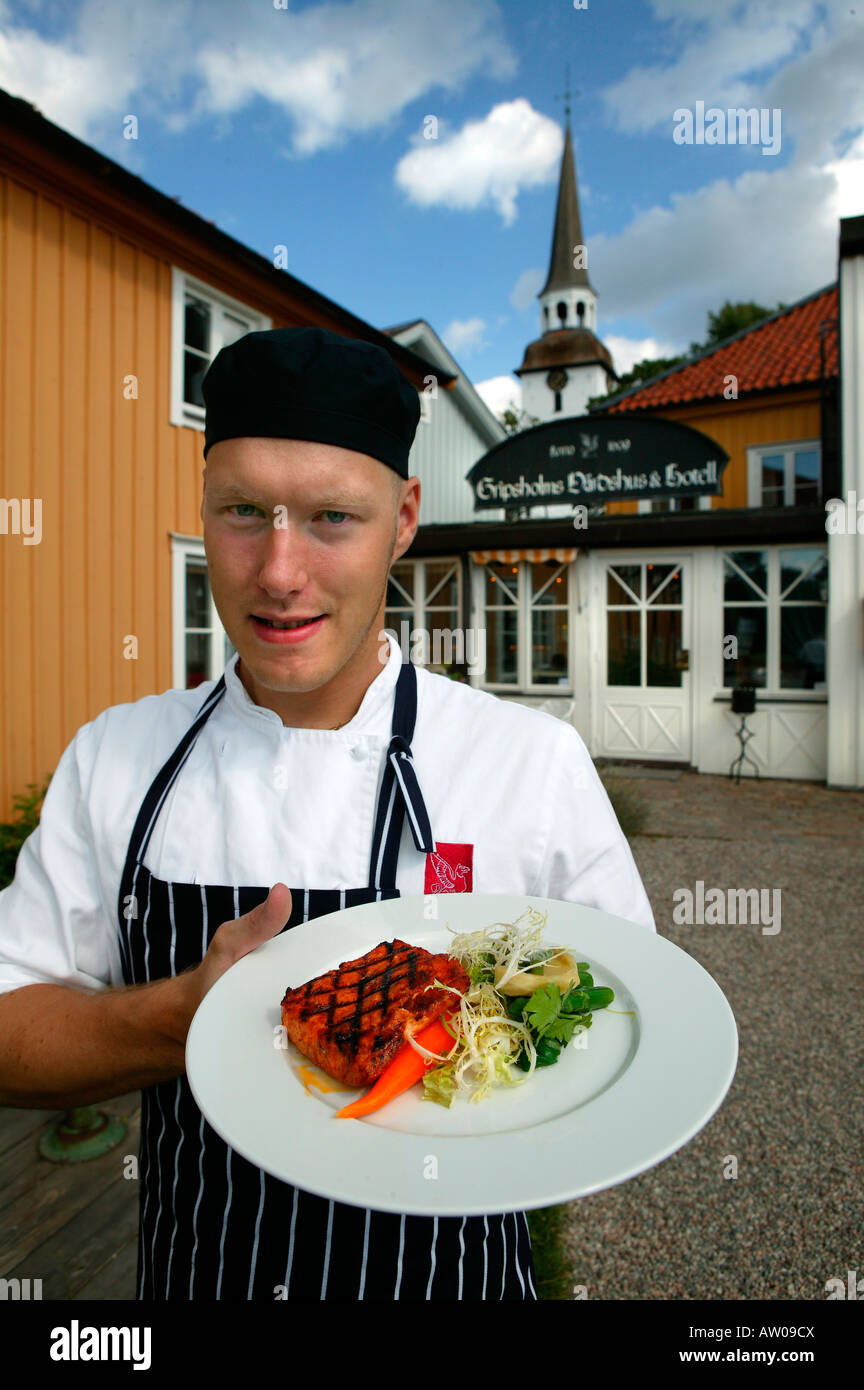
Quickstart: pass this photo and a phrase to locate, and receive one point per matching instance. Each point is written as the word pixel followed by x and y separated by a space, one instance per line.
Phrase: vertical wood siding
pixel 742 425
pixel 82 309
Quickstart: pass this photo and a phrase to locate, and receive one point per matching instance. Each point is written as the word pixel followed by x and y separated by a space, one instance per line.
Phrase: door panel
pixel 642 686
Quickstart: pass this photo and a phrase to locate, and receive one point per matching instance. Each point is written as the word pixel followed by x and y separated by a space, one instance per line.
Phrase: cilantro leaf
pixel 562 1029
pixel 542 1009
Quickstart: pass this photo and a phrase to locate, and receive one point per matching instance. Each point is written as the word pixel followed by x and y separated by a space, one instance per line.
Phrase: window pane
pixel 194 371
pixel 663 639
pixel 662 504
pixel 755 567
pixel 549 646
pixel 232 328
pixel 197 327
pixel 748 625
pixel 501 645
pixel 197 595
pixel 394 618
pixel 502 583
pixel 802 647
pixel 197 658
pixel 624 657
pixel 656 575
pixel 806 475
pixel 631 575
pixel 772 480
pixel 442 584
pixel 400 586
pixel 794 564
pixel 688 504
pixel 446 638
pixel 397 600
pixel 542 572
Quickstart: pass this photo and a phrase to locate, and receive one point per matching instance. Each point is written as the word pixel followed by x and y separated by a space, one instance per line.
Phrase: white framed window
pixel 784 475
pixel 525 609
pixel 426 596
pixel 645 618
pixel 654 505
pixel 774 607
pixel 200 644
pixel 203 320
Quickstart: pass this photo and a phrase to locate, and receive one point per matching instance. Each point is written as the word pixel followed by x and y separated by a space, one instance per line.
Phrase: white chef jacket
pixel 258 803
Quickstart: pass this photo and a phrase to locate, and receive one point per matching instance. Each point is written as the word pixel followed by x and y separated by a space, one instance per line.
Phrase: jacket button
pixel 358 752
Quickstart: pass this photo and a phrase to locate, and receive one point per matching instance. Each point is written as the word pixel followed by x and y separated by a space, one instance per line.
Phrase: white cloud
pixel 765 236
pixel 71 88
pixel 464 335
pixel 500 393
pixel 627 351
pixel 489 161
pixel 726 46
pixel 334 69
pixel 804 58
pixel 524 293
pixel 848 174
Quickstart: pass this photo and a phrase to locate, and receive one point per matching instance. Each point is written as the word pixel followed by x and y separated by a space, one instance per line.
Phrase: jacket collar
pixel 373 717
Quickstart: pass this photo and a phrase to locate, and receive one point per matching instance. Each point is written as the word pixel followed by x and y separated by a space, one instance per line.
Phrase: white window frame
pixel 419 605
pixel 644 505
pixel 184 548
pixel 774 604
pixel 642 606
pixel 755 455
pixel 183 412
pixel 523 685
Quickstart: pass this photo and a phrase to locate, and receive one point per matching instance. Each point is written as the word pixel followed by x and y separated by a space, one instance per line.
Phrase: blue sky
pixel 304 126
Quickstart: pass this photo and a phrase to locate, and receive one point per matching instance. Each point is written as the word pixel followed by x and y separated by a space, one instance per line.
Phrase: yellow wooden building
pixel 113 299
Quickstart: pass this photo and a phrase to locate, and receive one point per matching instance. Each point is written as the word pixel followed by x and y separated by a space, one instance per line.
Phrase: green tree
pixel 640 371
pixel 516 420
pixel 731 319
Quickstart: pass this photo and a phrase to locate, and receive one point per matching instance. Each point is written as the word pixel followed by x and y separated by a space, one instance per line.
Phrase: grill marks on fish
pixel 352 1020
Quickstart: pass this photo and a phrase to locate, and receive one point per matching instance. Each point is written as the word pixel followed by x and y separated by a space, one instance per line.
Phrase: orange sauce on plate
pixel 311 1076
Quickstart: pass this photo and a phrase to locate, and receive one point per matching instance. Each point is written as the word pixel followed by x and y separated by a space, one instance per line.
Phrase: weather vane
pixel 566 94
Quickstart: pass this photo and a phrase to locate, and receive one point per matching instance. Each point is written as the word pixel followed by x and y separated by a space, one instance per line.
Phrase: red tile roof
pixel 781 351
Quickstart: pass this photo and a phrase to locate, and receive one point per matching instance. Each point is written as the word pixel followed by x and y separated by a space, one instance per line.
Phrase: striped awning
pixel 563 553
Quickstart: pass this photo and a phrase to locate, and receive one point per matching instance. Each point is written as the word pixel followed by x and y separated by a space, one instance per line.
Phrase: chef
pixel 320 771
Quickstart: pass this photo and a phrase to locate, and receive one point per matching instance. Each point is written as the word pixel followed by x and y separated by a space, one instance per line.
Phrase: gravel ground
pixel 792 1219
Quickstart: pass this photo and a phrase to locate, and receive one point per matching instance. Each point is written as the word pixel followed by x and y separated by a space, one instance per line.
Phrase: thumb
pixel 259 925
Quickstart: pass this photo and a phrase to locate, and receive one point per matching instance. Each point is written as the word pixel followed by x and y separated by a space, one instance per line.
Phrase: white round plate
pixel 646 1079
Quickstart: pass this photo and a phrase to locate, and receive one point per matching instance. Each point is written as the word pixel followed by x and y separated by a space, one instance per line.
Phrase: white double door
pixel 641 606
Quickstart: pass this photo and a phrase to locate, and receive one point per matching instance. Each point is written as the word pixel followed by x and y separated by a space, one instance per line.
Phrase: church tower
pixel 568 365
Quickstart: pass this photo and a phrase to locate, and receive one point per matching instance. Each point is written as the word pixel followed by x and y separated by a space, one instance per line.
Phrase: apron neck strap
pixel 400 790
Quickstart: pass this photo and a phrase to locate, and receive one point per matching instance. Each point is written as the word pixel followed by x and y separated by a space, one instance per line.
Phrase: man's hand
pixel 235 939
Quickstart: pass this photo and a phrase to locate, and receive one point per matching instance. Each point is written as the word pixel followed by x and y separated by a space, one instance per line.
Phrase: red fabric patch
pixel 450 869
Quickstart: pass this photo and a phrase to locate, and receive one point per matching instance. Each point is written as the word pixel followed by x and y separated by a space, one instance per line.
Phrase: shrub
pixel 13 833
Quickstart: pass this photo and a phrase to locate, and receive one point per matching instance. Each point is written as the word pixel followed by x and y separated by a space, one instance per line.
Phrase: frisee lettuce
pixel 493 1032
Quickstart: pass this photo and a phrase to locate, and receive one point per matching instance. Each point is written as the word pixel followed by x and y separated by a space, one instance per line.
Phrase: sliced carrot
pixel 406 1068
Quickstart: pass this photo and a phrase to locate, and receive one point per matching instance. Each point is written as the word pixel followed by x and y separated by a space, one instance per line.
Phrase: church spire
pixel 568 228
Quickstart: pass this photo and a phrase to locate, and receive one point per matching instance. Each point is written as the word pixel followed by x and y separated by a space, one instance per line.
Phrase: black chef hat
pixel 309 383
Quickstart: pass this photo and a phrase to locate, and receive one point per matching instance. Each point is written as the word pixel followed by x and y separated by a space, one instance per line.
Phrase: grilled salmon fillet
pixel 353 1020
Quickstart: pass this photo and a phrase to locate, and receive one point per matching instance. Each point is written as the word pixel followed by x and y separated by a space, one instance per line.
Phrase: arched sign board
pixel 598 458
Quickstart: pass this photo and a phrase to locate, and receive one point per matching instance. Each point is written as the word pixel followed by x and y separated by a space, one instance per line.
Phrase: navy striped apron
pixel 211 1224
